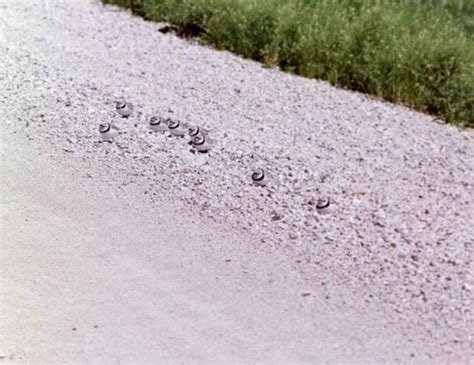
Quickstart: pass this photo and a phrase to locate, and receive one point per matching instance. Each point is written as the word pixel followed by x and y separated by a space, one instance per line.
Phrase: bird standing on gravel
pixel 108 131
pixel 195 130
pixel 325 206
pixel 260 178
pixel 123 108
pixel 176 128
pixel 200 144
pixel 159 124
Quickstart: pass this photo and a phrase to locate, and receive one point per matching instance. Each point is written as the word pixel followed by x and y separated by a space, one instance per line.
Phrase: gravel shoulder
pixel 177 257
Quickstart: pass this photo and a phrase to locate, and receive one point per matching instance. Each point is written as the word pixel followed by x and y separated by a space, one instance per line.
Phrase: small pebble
pixel 293 235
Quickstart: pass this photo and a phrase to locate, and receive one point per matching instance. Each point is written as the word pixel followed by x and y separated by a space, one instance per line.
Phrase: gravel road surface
pixel 141 251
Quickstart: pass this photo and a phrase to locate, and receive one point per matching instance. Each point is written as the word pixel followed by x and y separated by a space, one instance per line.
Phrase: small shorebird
pixel 123 108
pixel 108 131
pixel 195 130
pixel 159 124
pixel 201 145
pixel 325 206
pixel 176 128
pixel 260 178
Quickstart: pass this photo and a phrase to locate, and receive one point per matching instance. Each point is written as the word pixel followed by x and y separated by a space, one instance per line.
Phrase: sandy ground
pixel 141 251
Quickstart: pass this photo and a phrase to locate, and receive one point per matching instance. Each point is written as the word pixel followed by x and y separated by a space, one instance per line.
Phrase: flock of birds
pixel 198 140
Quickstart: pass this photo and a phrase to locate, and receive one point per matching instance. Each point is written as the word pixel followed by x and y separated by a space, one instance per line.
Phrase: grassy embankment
pixel 419 53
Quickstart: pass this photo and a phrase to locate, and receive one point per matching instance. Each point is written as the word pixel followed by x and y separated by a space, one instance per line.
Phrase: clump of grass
pixel 419 53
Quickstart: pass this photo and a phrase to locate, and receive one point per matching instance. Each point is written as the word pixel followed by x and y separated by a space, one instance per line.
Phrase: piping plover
pixel 260 178
pixel 325 206
pixel 123 108
pixel 195 130
pixel 176 128
pixel 108 131
pixel 200 144
pixel 159 124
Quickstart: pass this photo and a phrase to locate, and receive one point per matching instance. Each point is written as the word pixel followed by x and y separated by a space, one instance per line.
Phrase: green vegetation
pixel 419 53
pixel 461 9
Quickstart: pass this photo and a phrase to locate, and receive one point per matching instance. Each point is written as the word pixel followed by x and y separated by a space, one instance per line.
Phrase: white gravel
pixel 401 240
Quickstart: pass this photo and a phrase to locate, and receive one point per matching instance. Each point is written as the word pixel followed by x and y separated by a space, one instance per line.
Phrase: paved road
pixel 92 272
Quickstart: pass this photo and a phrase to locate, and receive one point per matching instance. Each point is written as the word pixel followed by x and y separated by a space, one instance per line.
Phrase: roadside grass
pixel 461 9
pixel 416 52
